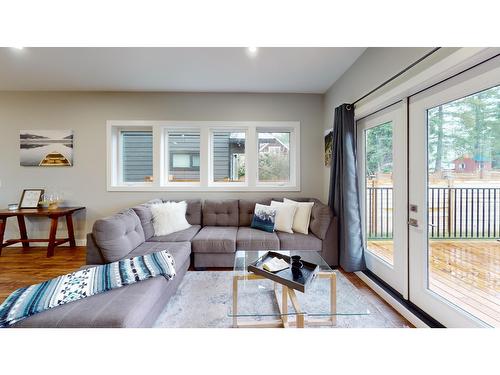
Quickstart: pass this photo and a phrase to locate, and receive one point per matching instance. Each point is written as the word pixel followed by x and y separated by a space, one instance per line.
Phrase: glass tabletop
pixel 262 299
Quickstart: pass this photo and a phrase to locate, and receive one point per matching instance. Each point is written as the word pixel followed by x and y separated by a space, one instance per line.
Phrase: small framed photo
pixel 31 198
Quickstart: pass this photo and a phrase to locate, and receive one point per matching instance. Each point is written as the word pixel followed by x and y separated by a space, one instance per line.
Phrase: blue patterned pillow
pixel 264 218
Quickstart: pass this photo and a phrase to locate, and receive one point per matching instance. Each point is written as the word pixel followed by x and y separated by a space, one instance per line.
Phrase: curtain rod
pixel 397 75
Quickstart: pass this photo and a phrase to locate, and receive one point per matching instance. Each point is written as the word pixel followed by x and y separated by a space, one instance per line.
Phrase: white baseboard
pixel 412 318
pixel 79 242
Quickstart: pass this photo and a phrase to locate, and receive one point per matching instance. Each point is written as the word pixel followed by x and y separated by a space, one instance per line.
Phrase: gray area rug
pixel 204 300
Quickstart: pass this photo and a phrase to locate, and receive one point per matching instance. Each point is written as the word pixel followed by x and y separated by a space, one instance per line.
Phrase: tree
pixel 274 167
pixel 379 149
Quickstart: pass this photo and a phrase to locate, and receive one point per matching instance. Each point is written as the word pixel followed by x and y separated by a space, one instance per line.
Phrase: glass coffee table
pixel 260 302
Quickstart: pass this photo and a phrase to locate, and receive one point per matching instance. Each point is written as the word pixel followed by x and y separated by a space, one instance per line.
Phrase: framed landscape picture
pixel 46 148
pixel 328 147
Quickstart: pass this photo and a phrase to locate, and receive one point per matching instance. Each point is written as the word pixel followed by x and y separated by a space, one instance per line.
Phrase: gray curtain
pixel 344 197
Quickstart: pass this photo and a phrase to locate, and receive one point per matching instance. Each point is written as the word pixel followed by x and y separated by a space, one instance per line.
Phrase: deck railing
pixel 465 212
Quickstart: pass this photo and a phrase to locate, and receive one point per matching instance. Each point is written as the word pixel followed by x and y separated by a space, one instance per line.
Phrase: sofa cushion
pixel 299 241
pixel 181 236
pixel 321 217
pixel 255 239
pixel 118 235
pixel 264 218
pixel 215 240
pixel 284 216
pixel 193 214
pixel 169 217
pixel 302 216
pixel 193 211
pixel 179 250
pixel 146 218
pixel 220 213
pixel 246 210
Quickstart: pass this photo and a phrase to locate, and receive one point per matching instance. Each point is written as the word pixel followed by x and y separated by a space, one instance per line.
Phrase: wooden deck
pixel 466 273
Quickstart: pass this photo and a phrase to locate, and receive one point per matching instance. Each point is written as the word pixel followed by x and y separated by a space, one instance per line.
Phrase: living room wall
pixel 86 114
pixel 372 68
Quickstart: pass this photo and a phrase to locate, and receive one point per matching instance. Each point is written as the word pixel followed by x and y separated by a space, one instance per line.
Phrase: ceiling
pixel 282 70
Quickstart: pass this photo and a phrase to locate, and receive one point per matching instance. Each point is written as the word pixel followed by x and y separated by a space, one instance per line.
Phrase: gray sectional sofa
pixel 218 229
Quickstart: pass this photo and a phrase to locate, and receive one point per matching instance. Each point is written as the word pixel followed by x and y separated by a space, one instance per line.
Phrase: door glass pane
pixel 184 156
pixel 274 157
pixel 379 189
pixel 228 156
pixel 464 203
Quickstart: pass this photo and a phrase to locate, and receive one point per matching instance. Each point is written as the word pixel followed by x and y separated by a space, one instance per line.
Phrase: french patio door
pixel 382 151
pixel 454 198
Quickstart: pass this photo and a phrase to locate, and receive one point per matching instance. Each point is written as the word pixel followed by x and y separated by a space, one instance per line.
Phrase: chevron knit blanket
pixel 74 286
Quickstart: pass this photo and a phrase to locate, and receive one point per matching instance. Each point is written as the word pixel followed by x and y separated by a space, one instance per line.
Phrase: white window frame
pixel 293 156
pixel 205 128
pixel 118 151
pixel 231 129
pixel 166 154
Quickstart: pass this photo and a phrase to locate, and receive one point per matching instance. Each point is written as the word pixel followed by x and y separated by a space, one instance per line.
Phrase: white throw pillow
pixel 302 216
pixel 169 217
pixel 284 216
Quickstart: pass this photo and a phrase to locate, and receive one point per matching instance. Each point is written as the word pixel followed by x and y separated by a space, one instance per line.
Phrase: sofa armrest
pixel 94 255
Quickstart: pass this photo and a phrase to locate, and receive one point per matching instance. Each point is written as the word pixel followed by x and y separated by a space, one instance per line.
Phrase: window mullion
pixel 157 155
pixel 204 155
pixel 251 156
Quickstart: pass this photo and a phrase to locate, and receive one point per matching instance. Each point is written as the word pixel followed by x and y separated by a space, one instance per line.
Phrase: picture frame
pixel 328 135
pixel 30 198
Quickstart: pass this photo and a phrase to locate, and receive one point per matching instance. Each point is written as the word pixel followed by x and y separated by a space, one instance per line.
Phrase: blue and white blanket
pixel 74 286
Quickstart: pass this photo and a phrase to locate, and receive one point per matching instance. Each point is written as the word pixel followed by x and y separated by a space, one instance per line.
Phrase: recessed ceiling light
pixel 18 47
pixel 252 51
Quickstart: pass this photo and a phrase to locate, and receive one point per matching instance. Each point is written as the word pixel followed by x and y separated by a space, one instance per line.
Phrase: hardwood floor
pixel 466 273
pixel 20 268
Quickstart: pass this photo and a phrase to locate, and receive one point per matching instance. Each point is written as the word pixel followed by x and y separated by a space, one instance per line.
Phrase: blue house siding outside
pixel 137 155
pixel 184 156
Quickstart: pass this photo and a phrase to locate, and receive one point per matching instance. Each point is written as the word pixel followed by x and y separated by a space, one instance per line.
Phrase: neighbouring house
pixel 468 164
pixel 270 144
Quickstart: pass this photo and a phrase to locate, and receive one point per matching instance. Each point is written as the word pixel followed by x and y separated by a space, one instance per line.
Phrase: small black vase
pixel 296 267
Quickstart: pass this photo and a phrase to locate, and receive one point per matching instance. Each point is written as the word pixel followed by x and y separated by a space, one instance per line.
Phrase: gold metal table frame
pixel 301 319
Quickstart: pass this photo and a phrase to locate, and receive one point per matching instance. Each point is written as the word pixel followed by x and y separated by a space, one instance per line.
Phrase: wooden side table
pixel 53 215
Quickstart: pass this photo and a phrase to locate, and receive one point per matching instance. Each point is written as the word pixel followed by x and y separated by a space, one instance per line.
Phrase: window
pixel 203 155
pixel 136 156
pixel 228 156
pixel 184 156
pixel 274 157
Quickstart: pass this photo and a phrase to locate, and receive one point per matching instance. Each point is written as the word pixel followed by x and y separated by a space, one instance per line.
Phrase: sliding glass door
pixel 454 196
pixel 382 161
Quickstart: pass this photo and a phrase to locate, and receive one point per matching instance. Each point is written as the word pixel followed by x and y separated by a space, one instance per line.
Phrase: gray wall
pixel 372 68
pixel 86 113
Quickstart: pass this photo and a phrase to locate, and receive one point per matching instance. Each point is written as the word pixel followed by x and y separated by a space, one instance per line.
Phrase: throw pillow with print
pixel 264 218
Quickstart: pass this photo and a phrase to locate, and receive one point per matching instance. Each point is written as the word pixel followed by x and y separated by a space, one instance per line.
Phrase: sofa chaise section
pixel 137 305
pixel 133 306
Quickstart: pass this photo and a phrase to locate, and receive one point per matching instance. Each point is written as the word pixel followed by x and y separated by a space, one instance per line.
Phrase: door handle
pixel 413 222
